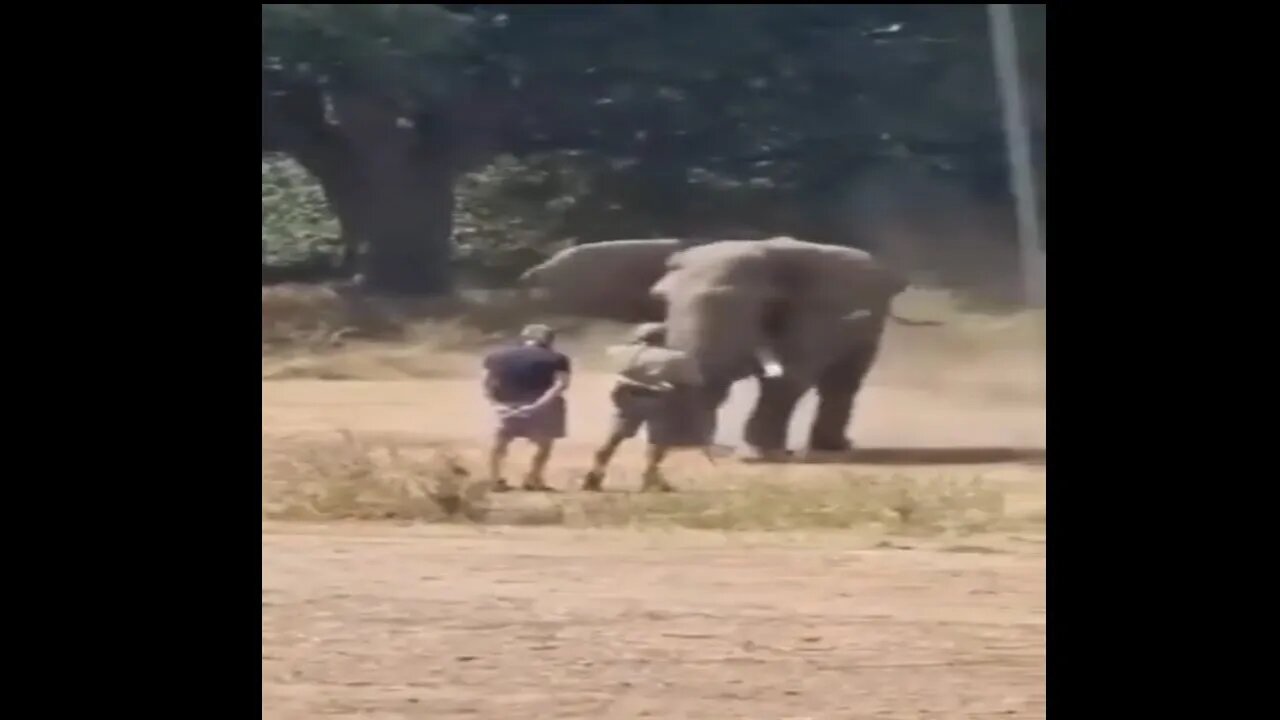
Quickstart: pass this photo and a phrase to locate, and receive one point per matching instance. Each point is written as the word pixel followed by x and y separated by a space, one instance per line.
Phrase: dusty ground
pixel 376 621
pixel 552 623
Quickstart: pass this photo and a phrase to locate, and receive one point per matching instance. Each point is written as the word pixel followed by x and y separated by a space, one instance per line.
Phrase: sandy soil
pixel 552 623
pixel 374 621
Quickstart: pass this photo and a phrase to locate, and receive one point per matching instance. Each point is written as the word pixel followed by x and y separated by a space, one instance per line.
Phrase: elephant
pixel 795 314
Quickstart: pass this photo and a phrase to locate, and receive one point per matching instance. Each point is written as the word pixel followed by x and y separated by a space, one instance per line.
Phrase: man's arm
pixel 558 386
pixel 492 378
pixel 490 384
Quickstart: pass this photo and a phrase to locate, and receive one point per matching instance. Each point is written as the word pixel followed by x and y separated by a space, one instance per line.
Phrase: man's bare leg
pixel 653 480
pixel 497 453
pixel 534 480
pixel 595 477
pixel 624 426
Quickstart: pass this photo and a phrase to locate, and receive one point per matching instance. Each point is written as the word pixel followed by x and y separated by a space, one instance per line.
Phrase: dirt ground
pixel 367 620
pixel 553 623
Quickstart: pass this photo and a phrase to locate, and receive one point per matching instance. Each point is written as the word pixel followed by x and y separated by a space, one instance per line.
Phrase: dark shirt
pixel 524 373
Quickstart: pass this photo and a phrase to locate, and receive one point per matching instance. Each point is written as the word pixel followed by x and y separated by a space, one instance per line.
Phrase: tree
pixel 704 116
pixel 361 96
pixel 680 118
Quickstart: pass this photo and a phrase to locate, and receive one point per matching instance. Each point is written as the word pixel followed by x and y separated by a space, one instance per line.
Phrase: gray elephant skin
pixel 795 314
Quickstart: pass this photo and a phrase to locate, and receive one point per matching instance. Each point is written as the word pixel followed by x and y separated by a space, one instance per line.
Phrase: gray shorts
pixel 545 423
pixel 668 418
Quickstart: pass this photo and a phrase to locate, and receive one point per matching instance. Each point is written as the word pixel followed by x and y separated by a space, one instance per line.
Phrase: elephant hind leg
pixel 837 389
pixel 711 396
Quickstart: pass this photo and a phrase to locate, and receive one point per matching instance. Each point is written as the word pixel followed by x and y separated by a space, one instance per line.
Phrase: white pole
pixel 1004 42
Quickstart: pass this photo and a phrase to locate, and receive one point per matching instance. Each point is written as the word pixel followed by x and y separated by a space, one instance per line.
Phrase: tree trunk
pixel 402 215
pixel 340 192
pixel 389 182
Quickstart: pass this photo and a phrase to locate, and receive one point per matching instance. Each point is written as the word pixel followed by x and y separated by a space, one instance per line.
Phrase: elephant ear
pixel 608 280
pixel 833 278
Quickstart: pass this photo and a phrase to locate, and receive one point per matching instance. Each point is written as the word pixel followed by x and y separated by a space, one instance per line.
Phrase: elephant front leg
pixel 705 410
pixel 766 431
pixel 837 389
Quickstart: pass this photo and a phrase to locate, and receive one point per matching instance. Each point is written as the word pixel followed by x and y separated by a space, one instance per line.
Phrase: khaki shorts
pixel 545 423
pixel 668 417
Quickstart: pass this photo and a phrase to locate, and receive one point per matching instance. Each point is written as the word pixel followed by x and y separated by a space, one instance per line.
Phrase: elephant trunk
pixel 723 334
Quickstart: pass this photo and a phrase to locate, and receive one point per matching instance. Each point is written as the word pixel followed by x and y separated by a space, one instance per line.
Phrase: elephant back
pixel 830 277
pixel 607 280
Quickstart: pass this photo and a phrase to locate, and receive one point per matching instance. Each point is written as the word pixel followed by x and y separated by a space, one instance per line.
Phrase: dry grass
pixel 351 479
pixel 899 505
pixel 358 478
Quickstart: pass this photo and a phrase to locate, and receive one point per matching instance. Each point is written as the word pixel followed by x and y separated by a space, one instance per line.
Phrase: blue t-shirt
pixel 523 373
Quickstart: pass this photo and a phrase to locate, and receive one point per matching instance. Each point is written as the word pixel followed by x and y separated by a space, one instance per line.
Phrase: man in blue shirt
pixel 526 385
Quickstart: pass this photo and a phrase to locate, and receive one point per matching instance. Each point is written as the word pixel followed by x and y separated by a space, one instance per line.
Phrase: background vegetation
pixel 428 146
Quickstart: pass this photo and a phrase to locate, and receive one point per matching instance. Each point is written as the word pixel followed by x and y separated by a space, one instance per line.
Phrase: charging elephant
pixel 796 315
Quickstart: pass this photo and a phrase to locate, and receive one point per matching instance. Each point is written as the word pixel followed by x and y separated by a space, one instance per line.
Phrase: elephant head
pixel 780 306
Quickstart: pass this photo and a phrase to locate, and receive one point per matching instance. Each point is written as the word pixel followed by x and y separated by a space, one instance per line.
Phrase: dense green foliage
pixel 509 215
pixel 296 221
pixel 548 124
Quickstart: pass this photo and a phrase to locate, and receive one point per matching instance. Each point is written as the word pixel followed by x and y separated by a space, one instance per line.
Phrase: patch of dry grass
pixel 353 478
pixel 899 504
